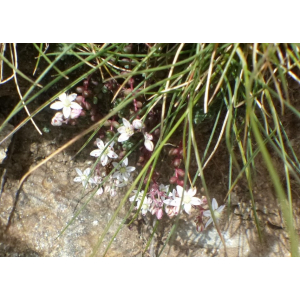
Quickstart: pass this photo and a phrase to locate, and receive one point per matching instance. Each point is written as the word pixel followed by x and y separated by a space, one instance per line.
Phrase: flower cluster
pixel 120 178
pixel 159 198
pixel 127 130
pixel 70 109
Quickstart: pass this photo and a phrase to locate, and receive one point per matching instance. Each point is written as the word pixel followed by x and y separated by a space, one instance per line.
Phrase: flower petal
pixel 78 171
pixel 116 165
pixel 87 172
pixel 220 209
pixel 207 213
pixel 123 137
pixel 121 129
pixel 104 160
pixel 96 153
pixel 112 154
pixel 62 97
pixel 66 112
pixel 195 201
pixel 192 192
pixel 77 179
pixel 125 162
pixel 179 190
pixel 208 222
pixel 187 208
pixel 149 145
pixel 130 169
pixel 100 144
pixel 72 97
pixel 126 123
pixel 75 105
pixel 57 105
pixel 214 204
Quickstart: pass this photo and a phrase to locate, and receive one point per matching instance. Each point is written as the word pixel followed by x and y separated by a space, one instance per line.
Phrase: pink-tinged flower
pixel 100 191
pixel 158 211
pixel 148 141
pixel 123 172
pixel 105 154
pixel 66 103
pixel 75 113
pixel 217 212
pixel 171 211
pixel 84 177
pixel 58 119
pixel 138 124
pixel 187 197
pixel 126 131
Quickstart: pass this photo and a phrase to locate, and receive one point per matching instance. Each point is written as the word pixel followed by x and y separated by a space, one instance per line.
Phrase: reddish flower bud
pixel 180 172
pixel 79 99
pixel 180 182
pixel 173 180
pixel 87 94
pixel 173 151
pixel 176 162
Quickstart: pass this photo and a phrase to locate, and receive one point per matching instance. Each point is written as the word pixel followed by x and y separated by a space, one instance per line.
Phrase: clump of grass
pixel 169 90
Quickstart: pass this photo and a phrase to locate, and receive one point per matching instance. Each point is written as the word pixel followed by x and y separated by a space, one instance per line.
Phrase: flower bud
pixel 79 89
pixel 180 182
pixel 141 159
pixel 79 99
pixel 88 105
pixel 115 124
pixel 139 104
pixel 173 180
pixel 173 151
pixel 176 162
pixel 85 83
pixel 138 124
pixel 87 94
pixel 107 123
pixel 180 172
pixel 157 132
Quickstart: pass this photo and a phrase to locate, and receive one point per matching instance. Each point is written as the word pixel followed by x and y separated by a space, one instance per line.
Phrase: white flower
pixel 164 188
pixel 123 172
pixel 139 197
pixel 217 212
pixel 58 119
pixel 66 103
pixel 145 206
pixel 105 154
pixel 84 177
pixel 138 124
pixel 126 131
pixel 188 199
pixel 148 141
